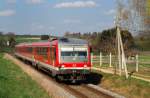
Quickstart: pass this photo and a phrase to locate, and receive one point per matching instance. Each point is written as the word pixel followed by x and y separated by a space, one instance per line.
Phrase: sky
pixel 56 16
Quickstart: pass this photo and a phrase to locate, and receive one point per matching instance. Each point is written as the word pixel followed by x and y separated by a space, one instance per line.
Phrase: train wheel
pixel 58 79
pixel 37 67
pixel 34 64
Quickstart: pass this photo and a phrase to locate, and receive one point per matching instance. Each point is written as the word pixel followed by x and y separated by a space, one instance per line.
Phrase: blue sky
pixel 56 16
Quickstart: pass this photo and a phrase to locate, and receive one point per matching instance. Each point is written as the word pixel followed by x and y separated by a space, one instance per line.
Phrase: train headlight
pixel 62 66
pixel 85 65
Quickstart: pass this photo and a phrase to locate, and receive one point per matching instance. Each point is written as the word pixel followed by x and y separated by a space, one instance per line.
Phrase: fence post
pixel 91 58
pixel 110 60
pixel 122 66
pixel 100 59
pixel 137 63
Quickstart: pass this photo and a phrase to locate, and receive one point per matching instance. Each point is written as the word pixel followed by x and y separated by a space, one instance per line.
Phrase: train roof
pixel 72 41
pixel 61 41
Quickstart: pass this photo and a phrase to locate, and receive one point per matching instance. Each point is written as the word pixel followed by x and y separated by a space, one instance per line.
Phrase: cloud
pixel 7 12
pixel 76 4
pixel 35 1
pixel 110 12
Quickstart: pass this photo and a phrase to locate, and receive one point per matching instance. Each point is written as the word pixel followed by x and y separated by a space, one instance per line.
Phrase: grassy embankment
pixel 14 83
pixel 131 88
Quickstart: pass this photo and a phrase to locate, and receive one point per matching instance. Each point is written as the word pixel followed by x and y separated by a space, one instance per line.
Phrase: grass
pixel 22 40
pixel 144 58
pixel 6 49
pixel 131 88
pixel 14 83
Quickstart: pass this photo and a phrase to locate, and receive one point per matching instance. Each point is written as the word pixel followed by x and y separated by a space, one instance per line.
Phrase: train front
pixel 74 59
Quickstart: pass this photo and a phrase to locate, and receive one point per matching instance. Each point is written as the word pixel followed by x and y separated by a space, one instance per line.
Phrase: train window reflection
pixel 74 56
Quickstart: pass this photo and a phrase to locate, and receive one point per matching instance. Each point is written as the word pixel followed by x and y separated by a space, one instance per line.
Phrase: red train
pixel 64 58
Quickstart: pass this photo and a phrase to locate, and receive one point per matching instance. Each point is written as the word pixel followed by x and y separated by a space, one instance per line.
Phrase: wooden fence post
pixel 110 60
pixel 137 63
pixel 100 59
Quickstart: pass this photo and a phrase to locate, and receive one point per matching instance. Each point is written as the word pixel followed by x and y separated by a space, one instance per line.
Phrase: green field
pixel 144 58
pixel 22 40
pixel 14 83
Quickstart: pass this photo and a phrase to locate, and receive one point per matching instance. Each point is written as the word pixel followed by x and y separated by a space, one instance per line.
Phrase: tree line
pixel 105 41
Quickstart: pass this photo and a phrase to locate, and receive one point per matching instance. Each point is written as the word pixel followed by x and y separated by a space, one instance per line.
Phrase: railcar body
pixel 64 58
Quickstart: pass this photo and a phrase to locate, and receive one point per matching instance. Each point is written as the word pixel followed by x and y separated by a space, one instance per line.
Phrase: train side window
pixel 29 49
pixel 38 51
pixel 54 53
pixel 44 52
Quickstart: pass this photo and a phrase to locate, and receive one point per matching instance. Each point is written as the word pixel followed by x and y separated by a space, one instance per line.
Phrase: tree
pixel 108 41
pixel 44 37
pixel 1 33
pixel 12 42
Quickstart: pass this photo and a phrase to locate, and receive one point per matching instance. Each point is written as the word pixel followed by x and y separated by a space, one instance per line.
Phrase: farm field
pixel 27 39
pixel 14 83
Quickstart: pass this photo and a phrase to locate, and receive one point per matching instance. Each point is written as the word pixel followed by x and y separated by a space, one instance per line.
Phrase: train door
pixel 52 56
pixel 48 55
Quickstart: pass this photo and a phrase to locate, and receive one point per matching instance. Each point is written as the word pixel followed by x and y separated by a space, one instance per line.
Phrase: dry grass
pixel 131 88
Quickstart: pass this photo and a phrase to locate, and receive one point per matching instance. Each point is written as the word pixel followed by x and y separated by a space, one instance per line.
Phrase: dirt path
pixel 44 81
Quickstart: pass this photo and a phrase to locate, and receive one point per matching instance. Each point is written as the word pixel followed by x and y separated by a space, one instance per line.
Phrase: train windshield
pixel 74 56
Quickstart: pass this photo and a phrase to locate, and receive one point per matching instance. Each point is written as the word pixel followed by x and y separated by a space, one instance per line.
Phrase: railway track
pixel 77 90
pixel 83 91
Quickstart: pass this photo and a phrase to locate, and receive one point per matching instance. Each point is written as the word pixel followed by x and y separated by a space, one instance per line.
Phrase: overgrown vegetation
pixel 7 42
pixel 142 40
pixel 14 83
